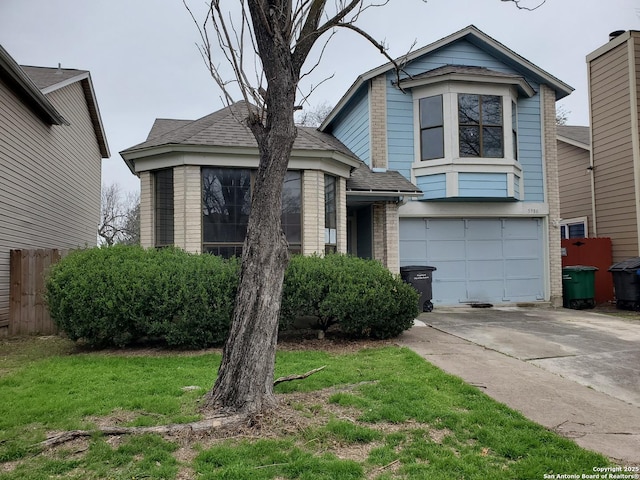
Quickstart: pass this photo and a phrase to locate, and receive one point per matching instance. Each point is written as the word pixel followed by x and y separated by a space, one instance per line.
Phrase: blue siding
pixel 516 188
pixel 482 185
pixel 530 147
pixel 400 142
pixel 433 186
pixel 352 126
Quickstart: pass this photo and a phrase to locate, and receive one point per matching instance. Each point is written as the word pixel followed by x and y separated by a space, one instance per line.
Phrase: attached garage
pixel 487 260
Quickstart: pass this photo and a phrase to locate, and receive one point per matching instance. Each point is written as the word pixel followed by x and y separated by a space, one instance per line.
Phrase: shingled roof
pixel 45 77
pixel 225 128
pixel 575 135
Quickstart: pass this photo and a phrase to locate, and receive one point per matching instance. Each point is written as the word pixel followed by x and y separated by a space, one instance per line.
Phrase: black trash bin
pixel 419 277
pixel 626 283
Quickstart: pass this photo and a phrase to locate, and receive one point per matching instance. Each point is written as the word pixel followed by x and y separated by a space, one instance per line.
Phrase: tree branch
pixel 289 378
pixel 531 9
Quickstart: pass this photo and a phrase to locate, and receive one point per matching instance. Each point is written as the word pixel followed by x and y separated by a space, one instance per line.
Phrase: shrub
pixel 362 296
pixel 119 295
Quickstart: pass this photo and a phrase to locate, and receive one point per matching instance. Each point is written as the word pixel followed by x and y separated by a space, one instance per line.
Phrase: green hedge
pixel 362 296
pixel 120 295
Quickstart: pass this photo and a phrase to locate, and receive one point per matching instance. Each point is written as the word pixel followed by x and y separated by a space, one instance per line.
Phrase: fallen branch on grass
pixel 201 426
pixel 289 378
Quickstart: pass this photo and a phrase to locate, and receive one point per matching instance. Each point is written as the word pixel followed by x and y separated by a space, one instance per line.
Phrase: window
pixel 431 128
pixel 480 125
pixel 292 210
pixel 574 228
pixel 330 214
pixel 226 203
pixel 163 202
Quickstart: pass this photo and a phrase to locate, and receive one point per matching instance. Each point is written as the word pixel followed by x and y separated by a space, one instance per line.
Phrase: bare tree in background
pixel 119 217
pixel 313 116
pixel 266 44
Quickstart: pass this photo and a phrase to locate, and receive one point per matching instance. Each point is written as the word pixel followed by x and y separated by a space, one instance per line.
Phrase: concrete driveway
pixel 575 372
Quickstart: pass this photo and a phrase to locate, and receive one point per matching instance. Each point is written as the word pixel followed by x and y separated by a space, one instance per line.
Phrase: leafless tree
pixel 266 44
pixel 313 116
pixel 562 115
pixel 119 216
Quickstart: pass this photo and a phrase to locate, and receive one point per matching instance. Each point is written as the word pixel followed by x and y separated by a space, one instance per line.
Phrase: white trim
pixel 473 209
pixel 575 143
pixel 610 45
pixel 64 83
pixel 575 221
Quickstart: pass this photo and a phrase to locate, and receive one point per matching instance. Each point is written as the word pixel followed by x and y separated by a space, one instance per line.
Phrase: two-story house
pixel 472 124
pixel 52 142
pixel 614 164
pixel 451 164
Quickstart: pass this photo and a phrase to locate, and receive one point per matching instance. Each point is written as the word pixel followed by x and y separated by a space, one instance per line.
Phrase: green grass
pixel 389 415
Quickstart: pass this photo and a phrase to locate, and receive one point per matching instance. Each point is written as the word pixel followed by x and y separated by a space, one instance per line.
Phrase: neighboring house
pixel 574 172
pixel 600 167
pixel 455 167
pixel 51 145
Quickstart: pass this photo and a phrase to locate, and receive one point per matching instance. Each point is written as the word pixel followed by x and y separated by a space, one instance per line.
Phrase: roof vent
pixel 615 34
pixel 379 170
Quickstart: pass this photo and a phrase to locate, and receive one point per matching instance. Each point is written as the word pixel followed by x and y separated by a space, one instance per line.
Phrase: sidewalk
pixel 596 421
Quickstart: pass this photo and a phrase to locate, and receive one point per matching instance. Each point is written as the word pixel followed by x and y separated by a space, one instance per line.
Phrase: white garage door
pixel 493 260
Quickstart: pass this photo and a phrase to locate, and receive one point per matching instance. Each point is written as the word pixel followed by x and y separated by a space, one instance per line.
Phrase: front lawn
pixel 378 413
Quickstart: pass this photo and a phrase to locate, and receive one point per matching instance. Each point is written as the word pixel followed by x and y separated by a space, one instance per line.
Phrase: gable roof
pixel 51 79
pixel 575 135
pixel 476 37
pixel 32 84
pixel 16 78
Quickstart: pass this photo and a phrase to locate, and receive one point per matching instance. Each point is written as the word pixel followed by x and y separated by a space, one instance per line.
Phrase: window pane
pixel 468 109
pixel 469 141
pixel 226 202
pixel 292 207
pixel 576 230
pixel 330 209
pixel 491 110
pixel 432 143
pixel 163 182
pixel 492 142
pixel 431 111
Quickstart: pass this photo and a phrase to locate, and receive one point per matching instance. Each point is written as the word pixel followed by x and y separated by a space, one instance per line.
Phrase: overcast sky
pixel 145 65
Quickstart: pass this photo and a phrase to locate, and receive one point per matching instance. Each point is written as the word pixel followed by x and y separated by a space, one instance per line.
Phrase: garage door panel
pixel 486 291
pixel 485 270
pixel 518 268
pixel 414 251
pixel 446 229
pixel 483 229
pixel 450 270
pixel 445 249
pixel 484 249
pixel 522 248
pixel 524 290
pixel 449 292
pixel 522 228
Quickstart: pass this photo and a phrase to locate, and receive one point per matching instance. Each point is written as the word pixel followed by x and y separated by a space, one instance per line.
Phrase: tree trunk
pixel 245 378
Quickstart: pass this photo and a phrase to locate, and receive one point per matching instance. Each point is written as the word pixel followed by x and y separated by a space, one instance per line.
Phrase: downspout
pixel 591 168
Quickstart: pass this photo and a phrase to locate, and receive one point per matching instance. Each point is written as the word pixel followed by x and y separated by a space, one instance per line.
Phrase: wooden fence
pixel 28 312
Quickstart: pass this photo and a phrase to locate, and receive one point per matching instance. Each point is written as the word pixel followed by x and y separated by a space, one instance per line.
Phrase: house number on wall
pixel 532 210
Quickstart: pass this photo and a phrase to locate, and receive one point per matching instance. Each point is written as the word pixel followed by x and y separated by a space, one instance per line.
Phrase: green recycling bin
pixel 579 287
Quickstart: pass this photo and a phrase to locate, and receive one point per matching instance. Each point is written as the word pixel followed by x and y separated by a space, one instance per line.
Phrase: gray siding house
pixel 52 142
